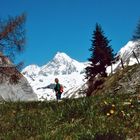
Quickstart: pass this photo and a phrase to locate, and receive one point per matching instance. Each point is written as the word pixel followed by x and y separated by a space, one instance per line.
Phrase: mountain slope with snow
pixel 127 54
pixel 69 72
pixel 62 64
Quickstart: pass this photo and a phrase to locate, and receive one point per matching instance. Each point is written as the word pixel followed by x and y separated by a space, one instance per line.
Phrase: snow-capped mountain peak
pixel 126 51
pixel 62 64
pixel 128 54
pixel 60 57
pixel 128 47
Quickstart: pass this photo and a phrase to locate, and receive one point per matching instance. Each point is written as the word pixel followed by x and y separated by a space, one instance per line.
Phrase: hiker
pixel 58 89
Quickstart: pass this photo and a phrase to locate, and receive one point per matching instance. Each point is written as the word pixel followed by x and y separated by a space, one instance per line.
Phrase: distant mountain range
pixel 71 73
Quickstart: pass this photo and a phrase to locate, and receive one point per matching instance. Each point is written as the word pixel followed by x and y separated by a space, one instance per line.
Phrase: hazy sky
pixel 67 25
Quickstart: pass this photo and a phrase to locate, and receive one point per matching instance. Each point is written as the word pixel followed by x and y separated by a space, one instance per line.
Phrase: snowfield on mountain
pixel 126 54
pixel 71 73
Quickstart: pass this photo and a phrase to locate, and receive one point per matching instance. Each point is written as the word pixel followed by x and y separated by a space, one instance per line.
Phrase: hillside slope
pixel 125 81
pixel 95 118
pixel 111 114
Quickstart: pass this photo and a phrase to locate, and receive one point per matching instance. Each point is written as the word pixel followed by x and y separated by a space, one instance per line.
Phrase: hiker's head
pixel 56 80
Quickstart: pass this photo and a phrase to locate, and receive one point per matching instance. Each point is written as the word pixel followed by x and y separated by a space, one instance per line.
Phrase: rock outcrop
pixel 125 81
pixel 13 85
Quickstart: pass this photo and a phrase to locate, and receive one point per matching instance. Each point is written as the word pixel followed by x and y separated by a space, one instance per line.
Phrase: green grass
pixel 77 119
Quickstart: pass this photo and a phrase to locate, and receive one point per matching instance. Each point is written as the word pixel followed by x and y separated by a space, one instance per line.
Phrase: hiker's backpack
pixel 61 88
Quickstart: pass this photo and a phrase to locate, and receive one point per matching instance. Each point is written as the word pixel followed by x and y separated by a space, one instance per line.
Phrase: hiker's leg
pixel 59 96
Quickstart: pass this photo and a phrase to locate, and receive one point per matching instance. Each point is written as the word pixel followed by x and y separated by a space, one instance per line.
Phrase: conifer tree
pixel 101 54
pixel 136 35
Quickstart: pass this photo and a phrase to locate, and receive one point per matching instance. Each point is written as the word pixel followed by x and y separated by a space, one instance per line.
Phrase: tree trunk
pixel 122 63
pixel 136 57
pixel 111 68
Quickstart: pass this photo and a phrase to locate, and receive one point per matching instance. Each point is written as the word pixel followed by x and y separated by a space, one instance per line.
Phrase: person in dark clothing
pixel 57 89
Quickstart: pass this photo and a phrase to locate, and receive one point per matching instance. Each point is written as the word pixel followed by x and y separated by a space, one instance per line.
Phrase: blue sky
pixel 67 25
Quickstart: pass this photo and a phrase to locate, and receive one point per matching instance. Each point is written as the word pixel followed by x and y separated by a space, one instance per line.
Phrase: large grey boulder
pixel 13 85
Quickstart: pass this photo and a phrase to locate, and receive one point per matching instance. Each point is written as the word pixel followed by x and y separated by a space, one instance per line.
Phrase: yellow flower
pixel 108 114
pixel 123 113
pixel 14 112
pixel 130 100
pixel 132 106
pixel 112 111
pixel 127 103
pixel 113 105
pixel 105 103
